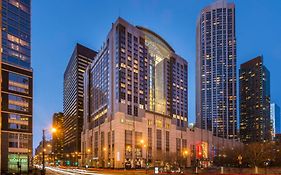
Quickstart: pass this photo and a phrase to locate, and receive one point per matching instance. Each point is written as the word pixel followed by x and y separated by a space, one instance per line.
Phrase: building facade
pixel 16 86
pixel 73 97
pixel 135 101
pixel 57 141
pixel 254 101
pixel 275 117
pixel 216 70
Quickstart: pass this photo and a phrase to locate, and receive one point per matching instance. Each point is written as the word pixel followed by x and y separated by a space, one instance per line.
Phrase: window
pixel 128 142
pixel 18 83
pixel 96 144
pixel 167 126
pixel 149 122
pixel 18 126
pixel 136 113
pixel 178 145
pixel 159 139
pixel 159 123
pixel 129 110
pixel 18 103
pixel 150 142
pixel 167 141
pixel 138 138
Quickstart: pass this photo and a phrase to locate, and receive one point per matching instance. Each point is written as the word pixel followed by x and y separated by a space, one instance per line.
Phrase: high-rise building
pixel 73 98
pixel 216 70
pixel 135 76
pixel 275 116
pixel 254 101
pixel 57 141
pixel 135 104
pixel 143 74
pixel 16 86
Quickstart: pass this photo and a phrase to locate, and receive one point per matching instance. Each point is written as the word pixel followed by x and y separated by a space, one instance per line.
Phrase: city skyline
pixel 93 40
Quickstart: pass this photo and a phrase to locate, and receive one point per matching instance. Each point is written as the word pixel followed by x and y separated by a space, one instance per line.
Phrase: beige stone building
pixel 153 139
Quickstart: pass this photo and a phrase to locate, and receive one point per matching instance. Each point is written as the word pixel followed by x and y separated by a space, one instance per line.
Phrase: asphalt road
pixel 60 171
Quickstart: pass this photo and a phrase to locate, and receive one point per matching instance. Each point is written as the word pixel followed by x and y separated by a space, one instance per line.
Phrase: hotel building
pixel 135 102
pixel 16 86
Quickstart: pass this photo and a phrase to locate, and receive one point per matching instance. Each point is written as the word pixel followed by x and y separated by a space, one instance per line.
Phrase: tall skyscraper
pixel 73 98
pixel 254 101
pixel 135 76
pixel 16 86
pixel 216 70
pixel 57 138
pixel 275 116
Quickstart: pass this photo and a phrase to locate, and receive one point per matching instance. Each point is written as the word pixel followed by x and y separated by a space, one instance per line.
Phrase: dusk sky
pixel 58 25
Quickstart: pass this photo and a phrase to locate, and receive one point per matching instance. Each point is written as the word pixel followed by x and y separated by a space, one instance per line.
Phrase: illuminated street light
pixel 53 130
pixel 146 153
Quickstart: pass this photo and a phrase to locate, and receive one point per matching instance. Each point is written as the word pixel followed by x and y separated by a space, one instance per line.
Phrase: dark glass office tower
pixel 254 101
pixel 16 86
pixel 216 70
pixel 57 141
pixel 73 98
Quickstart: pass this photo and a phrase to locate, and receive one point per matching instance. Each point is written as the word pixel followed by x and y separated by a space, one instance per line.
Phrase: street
pixel 228 171
pixel 73 171
pixel 60 171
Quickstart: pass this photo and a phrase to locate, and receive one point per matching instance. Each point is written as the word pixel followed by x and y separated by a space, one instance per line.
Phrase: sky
pixel 58 25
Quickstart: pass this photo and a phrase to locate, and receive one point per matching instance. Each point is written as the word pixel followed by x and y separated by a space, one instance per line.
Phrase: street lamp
pixel 146 154
pixel 185 154
pixel 87 153
pixel 53 130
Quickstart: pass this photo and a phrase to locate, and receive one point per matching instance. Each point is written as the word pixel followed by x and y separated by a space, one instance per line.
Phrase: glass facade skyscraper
pixel 275 116
pixel 16 88
pixel 73 99
pixel 254 101
pixel 216 70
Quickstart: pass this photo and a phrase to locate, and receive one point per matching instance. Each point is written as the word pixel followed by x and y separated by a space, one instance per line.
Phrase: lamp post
pixel 146 155
pixel 76 158
pixel 185 154
pixel 43 145
pixel 146 161
pixel 87 160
